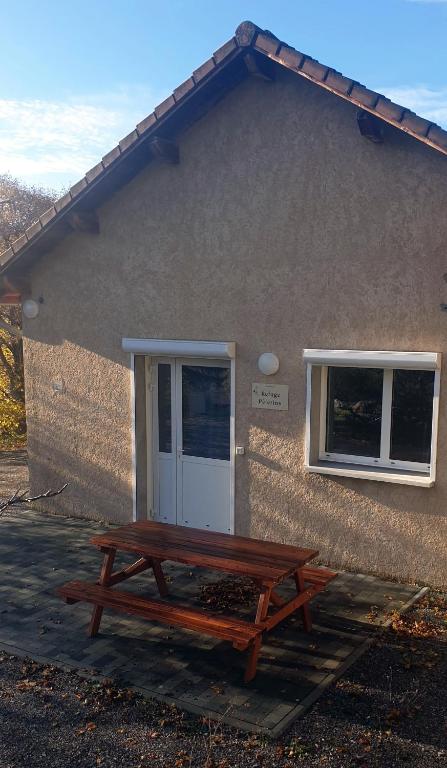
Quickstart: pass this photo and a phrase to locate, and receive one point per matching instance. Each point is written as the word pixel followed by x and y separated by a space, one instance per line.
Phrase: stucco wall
pixel 282 228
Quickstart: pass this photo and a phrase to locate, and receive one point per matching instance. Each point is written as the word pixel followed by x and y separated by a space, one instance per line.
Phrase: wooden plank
pixel 266 561
pixel 227 628
pixel 318 575
pixel 252 662
pixel 263 604
pixel 131 570
pixel 159 578
pixel 291 606
pixel 104 577
pixel 304 610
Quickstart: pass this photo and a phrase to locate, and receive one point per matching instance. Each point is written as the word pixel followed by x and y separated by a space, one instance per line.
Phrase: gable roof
pixel 251 49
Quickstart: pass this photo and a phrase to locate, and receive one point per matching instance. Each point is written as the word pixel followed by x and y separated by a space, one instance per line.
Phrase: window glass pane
pixel 164 409
pixel 354 411
pixel 206 411
pixel 412 411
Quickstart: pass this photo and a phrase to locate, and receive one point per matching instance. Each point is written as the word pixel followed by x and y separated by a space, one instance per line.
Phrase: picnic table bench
pixel 267 563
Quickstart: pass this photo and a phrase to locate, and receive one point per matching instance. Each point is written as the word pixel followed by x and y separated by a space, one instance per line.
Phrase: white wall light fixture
pixel 268 363
pixel 30 309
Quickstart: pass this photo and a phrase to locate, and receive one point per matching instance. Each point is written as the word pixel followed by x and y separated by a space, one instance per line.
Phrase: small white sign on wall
pixel 274 397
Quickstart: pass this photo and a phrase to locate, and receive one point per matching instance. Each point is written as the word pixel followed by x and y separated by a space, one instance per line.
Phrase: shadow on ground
pixel 199 674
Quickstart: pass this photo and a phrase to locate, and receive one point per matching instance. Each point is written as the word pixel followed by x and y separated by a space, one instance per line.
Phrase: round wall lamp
pixel 30 308
pixel 268 363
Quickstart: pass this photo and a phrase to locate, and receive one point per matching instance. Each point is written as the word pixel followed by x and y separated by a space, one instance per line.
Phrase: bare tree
pixel 20 206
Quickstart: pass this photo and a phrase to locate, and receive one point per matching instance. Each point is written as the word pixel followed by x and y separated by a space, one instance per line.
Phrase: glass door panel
pixel 206 411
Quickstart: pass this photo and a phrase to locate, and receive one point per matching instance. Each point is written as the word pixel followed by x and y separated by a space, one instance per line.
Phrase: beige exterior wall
pixel 282 228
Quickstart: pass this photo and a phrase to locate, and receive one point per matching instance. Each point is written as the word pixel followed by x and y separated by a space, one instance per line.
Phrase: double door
pixel 191 451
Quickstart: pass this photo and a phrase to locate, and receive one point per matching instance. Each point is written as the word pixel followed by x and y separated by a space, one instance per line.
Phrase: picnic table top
pixel 266 561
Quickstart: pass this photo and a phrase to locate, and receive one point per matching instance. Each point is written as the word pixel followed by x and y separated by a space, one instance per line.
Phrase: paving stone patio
pixel 199 674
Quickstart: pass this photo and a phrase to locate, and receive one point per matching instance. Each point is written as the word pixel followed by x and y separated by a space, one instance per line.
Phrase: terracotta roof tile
pixel 164 107
pixel 33 229
pixel 386 108
pixel 224 51
pixel 267 43
pixel 111 156
pixel 128 141
pixel 339 82
pixel 62 202
pixel 147 123
pixel 247 34
pixel 415 123
pixel 6 256
pixel 94 172
pixel 438 136
pixel 184 88
pixel 77 188
pixel 290 57
pixel 47 216
pixel 314 69
pixel 203 71
pixel 19 243
pixel 364 95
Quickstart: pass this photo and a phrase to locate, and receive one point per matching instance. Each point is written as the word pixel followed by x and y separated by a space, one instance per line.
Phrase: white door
pixel 192 443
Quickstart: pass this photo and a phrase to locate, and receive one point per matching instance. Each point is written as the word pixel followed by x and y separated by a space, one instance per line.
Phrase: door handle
pixel 180 451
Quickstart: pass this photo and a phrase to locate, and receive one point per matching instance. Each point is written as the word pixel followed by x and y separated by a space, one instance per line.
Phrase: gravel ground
pixel 389 710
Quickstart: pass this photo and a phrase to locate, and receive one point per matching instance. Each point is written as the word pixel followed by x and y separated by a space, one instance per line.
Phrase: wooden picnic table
pixel 267 563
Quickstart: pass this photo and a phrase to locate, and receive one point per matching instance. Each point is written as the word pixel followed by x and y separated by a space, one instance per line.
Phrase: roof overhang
pixel 251 51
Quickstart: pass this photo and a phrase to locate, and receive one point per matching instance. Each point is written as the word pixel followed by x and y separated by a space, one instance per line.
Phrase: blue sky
pixel 76 77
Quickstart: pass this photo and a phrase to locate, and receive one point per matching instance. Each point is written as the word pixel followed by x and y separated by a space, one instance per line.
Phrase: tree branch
pixel 20 497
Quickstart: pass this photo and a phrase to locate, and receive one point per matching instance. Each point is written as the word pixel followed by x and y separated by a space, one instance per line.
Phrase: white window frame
pixel 392 469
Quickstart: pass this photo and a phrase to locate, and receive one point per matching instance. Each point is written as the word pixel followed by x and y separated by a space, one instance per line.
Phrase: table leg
pixel 305 611
pixel 252 663
pixel 263 604
pixel 106 570
pixel 159 577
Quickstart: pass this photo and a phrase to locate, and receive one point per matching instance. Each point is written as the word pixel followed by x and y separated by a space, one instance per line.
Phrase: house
pixel 234 320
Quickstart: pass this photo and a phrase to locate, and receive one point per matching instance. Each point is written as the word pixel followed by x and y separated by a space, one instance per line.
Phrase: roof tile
pixel 111 156
pixel 6 256
pixel 147 123
pixel 33 229
pixel 314 69
pixel 94 172
pixel 128 140
pixel 290 57
pixel 364 95
pixel 184 88
pixel 78 187
pixel 19 243
pixel 224 51
pixel 339 82
pixel 246 32
pixel 204 70
pixel 267 43
pixel 47 215
pixel 415 123
pixel 165 106
pixel 438 136
pixel 62 202
pixel 388 109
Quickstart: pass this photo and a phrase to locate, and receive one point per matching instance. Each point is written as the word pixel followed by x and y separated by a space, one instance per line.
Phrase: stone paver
pixel 39 552
pixel 14 474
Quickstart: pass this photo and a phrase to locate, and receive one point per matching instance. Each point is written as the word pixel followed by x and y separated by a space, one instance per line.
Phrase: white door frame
pixel 152 431
pixel 205 350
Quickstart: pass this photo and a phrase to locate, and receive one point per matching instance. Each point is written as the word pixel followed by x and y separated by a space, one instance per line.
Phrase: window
pixel 375 410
